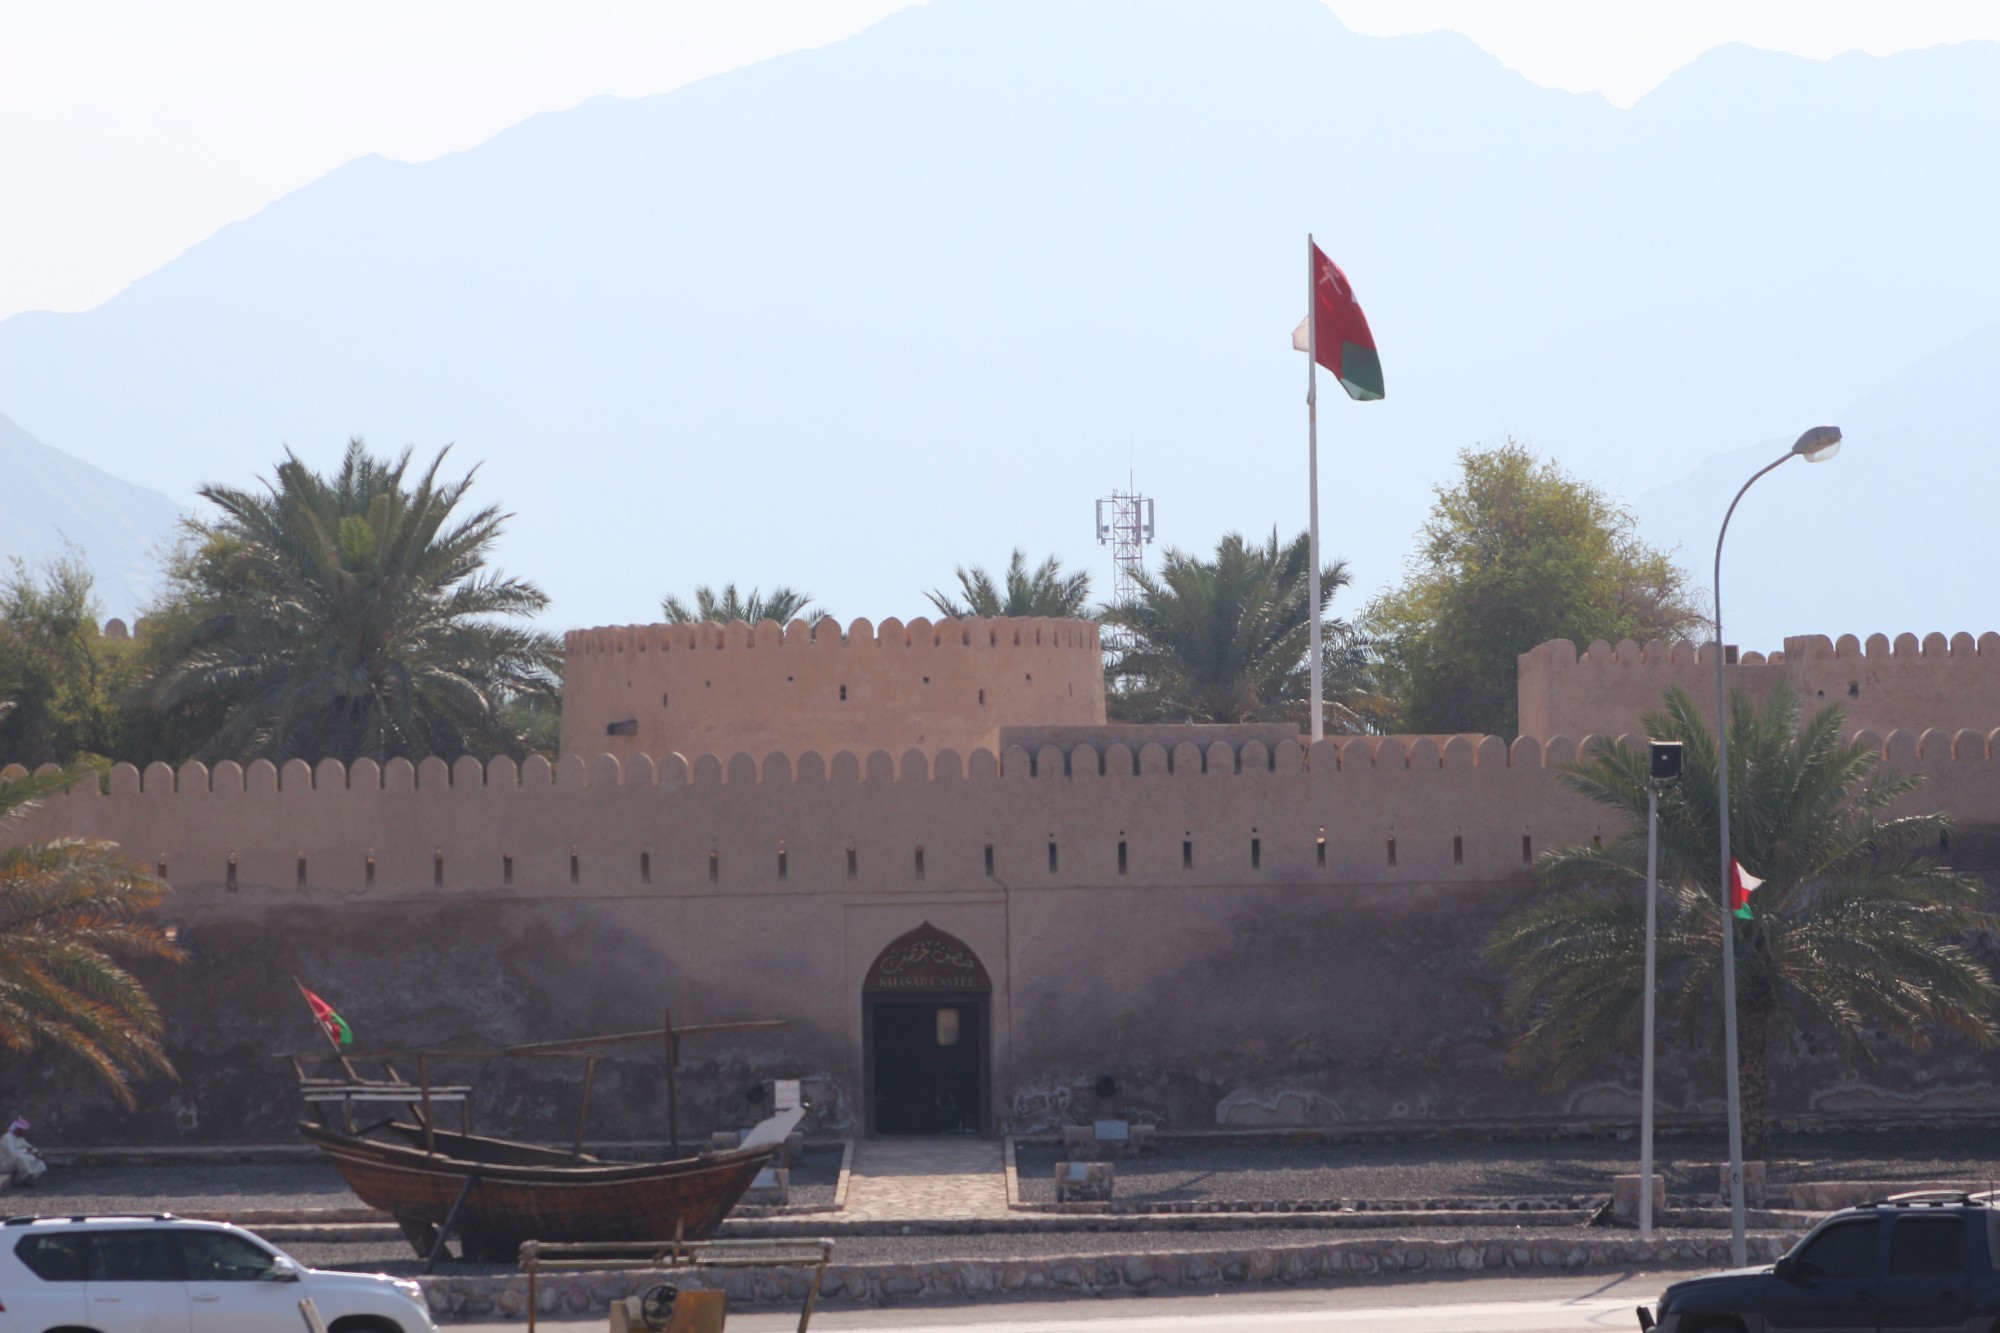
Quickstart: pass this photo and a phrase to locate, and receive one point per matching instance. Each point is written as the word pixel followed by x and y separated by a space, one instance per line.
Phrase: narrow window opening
pixel 437 868
pixel 989 858
pixel 1052 856
pixel 231 879
pixel 982 698
pixel 575 869
pixel 368 876
pixel 1121 856
pixel 920 861
pixel 1187 854
pixel 663 698
pixel 1458 850
pixel 1392 851
pixel 1527 850
pixel 506 869
pixel 302 870
pixel 714 865
pixel 852 868
pixel 843 694
pixel 1256 853
pixel 645 867
pixel 1319 849
pixel 160 867
pixel 783 869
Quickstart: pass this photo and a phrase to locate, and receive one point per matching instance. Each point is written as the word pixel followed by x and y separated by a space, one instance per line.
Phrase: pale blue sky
pixel 129 130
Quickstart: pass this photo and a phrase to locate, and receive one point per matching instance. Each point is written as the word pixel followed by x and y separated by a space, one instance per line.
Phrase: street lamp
pixel 1664 765
pixel 1815 446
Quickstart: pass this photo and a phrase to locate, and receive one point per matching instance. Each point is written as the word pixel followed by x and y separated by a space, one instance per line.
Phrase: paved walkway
pixel 896 1180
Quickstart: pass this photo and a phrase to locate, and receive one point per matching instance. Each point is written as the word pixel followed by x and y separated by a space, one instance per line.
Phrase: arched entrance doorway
pixel 925 1038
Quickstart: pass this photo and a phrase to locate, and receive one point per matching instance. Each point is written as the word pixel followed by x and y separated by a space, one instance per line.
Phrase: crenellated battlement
pixel 1906 683
pixel 1353 810
pixel 1933 647
pixel 933 685
pixel 859 635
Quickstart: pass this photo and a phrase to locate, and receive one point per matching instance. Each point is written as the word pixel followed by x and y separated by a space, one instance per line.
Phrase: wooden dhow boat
pixel 494 1194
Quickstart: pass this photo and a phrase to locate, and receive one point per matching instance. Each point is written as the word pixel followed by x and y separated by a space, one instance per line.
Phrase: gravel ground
pixel 182 1189
pixel 1265 1172
pixel 815 1177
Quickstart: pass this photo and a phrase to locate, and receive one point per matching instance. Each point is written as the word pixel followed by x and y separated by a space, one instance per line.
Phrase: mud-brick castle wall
pixel 1239 934
pixel 721 689
pixel 1909 684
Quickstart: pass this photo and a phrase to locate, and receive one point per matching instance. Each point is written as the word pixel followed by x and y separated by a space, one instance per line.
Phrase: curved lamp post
pixel 1815 446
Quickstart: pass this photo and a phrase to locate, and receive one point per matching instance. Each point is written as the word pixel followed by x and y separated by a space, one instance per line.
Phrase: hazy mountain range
pixel 52 504
pixel 848 317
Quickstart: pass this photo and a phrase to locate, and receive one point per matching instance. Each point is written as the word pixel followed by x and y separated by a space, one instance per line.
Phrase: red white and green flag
pixel 1336 333
pixel 331 1023
pixel 1741 885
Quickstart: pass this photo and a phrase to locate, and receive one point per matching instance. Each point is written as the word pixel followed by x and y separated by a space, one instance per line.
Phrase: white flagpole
pixel 1312 504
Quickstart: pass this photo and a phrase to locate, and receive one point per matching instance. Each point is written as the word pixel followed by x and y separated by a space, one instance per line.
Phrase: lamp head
pixel 1818 444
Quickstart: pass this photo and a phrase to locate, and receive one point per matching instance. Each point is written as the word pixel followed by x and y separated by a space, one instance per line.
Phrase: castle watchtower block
pixel 696 689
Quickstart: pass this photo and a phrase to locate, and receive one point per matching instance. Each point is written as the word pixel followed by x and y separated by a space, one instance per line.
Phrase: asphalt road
pixel 1581 1304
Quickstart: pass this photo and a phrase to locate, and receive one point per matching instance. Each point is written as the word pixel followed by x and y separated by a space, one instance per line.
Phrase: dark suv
pixel 1913 1263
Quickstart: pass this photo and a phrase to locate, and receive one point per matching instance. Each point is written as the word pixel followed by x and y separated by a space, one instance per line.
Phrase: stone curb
pixel 506 1296
pixel 1035 1223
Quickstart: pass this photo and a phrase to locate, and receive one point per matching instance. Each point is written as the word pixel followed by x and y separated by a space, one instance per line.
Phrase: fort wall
pixel 700 688
pixel 1885 685
pixel 1339 891
pixel 1245 930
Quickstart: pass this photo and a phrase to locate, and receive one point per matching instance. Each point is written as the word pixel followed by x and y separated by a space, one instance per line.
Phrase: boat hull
pixel 521 1193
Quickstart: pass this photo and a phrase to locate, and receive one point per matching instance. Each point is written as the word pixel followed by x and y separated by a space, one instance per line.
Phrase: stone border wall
pixel 578 1294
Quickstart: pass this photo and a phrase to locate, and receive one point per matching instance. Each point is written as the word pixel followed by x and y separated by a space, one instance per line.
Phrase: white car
pixel 165 1274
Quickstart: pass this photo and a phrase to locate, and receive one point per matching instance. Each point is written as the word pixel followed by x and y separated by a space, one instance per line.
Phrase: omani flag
pixel 1337 331
pixel 1741 885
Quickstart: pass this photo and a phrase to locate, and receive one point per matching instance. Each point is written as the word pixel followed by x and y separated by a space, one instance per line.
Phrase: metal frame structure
pixel 1125 524
pixel 676 1254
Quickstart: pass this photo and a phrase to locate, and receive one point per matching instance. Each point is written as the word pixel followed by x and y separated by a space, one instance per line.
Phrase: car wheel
pixel 364 1323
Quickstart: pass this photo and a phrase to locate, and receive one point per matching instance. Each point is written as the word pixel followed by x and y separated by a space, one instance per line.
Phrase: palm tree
pixel 782 604
pixel 1046 592
pixel 348 616
pixel 1228 639
pixel 68 909
pixel 1855 930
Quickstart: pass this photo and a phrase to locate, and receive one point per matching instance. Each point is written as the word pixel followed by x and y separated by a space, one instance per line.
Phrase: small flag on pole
pixel 1741 885
pixel 1336 333
pixel 331 1023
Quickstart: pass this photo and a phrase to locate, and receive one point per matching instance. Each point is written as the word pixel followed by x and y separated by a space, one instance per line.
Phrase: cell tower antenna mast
pixel 1125 524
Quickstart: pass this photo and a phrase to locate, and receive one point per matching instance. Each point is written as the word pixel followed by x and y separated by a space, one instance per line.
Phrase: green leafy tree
pixel 1517 553
pixel 1855 930
pixel 1047 591
pixel 63 678
pixel 70 909
pixel 346 616
pixel 781 604
pixel 1227 639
